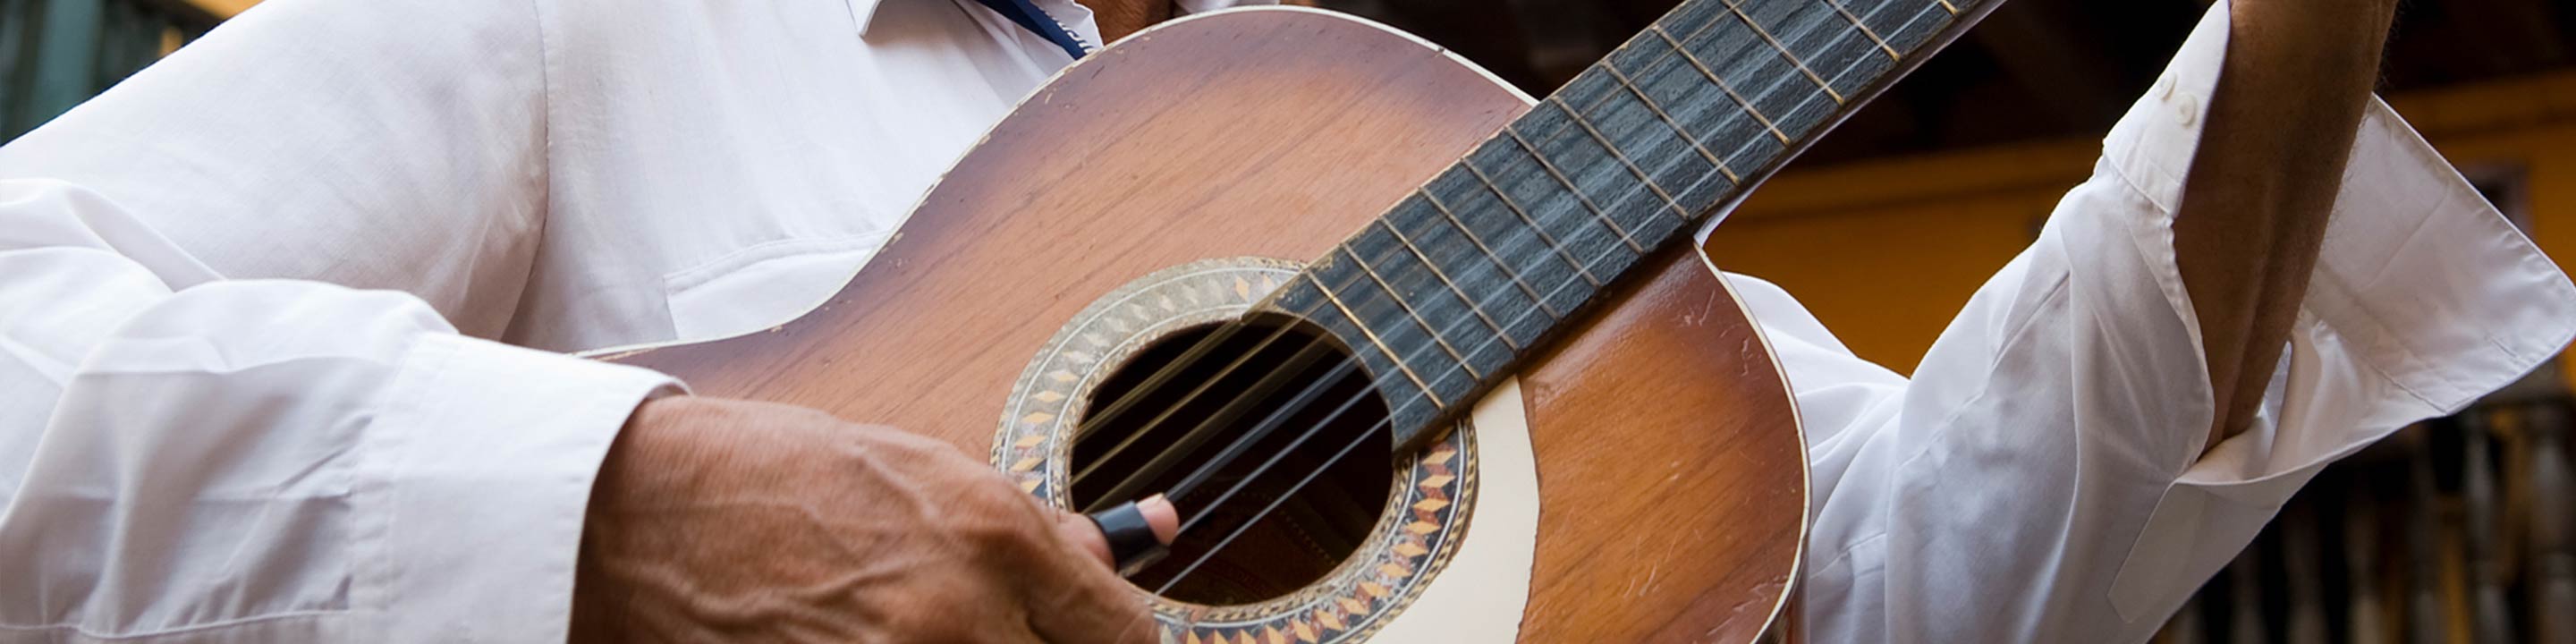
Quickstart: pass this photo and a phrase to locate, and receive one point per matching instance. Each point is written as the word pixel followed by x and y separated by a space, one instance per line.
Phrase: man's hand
pixel 716 519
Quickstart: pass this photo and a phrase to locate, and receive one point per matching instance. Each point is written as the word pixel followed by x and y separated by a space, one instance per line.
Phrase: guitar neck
pixel 1446 293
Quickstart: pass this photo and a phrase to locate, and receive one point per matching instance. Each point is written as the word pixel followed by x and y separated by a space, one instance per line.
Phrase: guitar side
pixel 1671 469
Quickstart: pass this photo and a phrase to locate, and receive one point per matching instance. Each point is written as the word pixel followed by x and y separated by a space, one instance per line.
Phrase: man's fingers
pixel 1086 601
pixel 1076 598
pixel 1160 514
pixel 1078 530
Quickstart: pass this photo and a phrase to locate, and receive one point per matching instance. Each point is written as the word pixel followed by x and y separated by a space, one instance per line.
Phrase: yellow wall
pixel 1886 251
pixel 223 8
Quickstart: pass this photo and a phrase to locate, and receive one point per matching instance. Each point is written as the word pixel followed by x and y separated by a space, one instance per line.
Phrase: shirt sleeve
pixel 199 442
pixel 2041 478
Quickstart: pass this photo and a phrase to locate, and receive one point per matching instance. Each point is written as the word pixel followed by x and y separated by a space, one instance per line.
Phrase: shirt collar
pixel 866 10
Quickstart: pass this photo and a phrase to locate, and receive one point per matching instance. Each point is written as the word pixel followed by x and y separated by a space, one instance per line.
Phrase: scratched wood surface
pixel 1672 475
pixel 1668 454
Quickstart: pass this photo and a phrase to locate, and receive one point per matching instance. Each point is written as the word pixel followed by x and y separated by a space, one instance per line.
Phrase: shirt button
pixel 2187 109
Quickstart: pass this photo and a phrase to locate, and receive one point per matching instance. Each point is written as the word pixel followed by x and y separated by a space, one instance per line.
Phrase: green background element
pixel 56 53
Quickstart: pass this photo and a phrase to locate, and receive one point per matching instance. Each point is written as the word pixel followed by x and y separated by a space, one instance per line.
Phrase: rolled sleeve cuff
pixel 483 458
pixel 2423 299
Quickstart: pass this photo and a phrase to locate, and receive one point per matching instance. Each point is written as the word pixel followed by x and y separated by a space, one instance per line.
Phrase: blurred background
pixel 2458 530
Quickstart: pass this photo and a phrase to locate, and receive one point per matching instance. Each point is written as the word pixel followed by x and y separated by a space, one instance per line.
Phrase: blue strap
pixel 1038 22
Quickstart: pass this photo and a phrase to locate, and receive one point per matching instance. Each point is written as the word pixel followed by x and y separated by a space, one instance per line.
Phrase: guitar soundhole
pixel 1328 432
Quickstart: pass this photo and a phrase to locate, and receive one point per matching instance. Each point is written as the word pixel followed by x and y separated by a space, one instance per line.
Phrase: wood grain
pixel 1671 472
pixel 1671 478
pixel 1270 136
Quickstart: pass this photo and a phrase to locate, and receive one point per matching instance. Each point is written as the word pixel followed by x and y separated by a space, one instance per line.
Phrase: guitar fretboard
pixel 1448 291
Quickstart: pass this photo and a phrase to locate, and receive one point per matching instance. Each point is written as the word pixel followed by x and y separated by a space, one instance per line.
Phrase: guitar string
pixel 1310 476
pixel 1245 402
pixel 1186 399
pixel 1621 200
pixel 1262 430
pixel 1171 370
pixel 1274 504
pixel 1134 481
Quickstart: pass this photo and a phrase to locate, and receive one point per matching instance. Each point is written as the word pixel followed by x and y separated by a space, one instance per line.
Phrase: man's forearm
pixel 2270 162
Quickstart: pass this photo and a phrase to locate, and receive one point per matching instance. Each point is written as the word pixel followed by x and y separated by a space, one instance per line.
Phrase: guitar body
pixel 1670 471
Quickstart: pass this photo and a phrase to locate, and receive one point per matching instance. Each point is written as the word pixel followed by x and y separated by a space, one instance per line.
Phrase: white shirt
pixel 204 440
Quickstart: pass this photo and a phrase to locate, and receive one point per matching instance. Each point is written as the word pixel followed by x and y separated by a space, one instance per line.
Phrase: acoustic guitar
pixel 1418 357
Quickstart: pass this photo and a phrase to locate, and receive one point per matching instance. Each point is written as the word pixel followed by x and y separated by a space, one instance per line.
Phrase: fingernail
pixel 1162 517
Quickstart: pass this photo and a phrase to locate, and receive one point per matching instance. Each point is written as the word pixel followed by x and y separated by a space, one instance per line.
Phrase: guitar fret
pixel 1489 251
pixel 1499 185
pixel 1695 169
pixel 1892 56
pixel 1676 48
pixel 1398 298
pixel 1642 178
pixel 1784 50
pixel 1576 171
pixel 1891 19
pixel 1472 306
pixel 1690 17
pixel 1902 35
pixel 1605 100
pixel 1710 99
pixel 1797 62
pixel 1709 118
pixel 1561 179
pixel 1391 355
pixel 1580 267
pixel 1722 85
pixel 1544 235
pixel 1685 133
